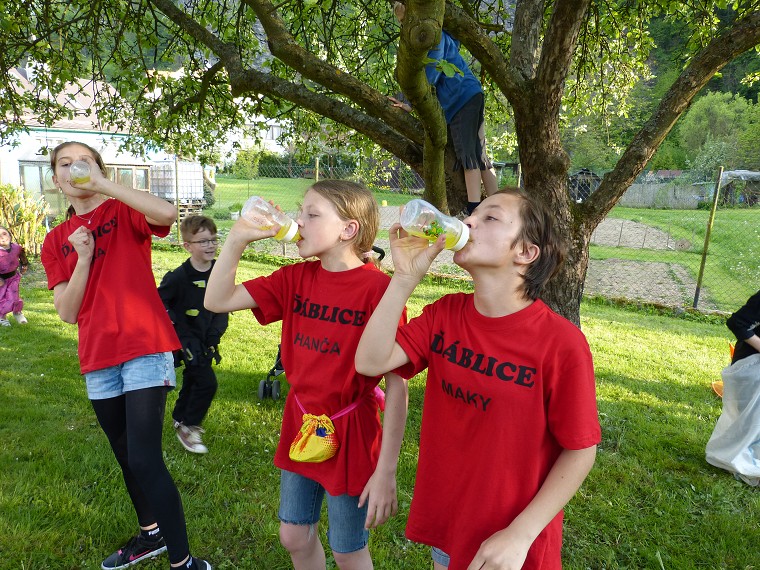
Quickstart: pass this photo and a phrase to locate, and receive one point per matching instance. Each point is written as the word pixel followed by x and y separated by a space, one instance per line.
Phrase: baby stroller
pixel 270 387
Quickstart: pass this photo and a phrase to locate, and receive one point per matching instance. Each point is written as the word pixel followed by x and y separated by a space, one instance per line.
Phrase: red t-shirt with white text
pixel 503 397
pixel 122 316
pixel 323 316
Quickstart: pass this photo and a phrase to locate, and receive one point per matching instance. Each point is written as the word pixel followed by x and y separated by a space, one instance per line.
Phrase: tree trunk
pixel 544 166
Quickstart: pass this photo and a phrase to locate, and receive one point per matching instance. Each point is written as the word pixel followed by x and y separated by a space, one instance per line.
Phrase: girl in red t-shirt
pixel 94 261
pixel 323 306
pixel 509 422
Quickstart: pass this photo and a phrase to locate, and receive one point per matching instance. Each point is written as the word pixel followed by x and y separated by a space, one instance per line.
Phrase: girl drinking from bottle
pixel 98 265
pixel 323 306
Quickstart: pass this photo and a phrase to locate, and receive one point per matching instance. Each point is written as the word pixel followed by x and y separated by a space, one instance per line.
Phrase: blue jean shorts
pixel 440 557
pixel 149 371
pixel 301 503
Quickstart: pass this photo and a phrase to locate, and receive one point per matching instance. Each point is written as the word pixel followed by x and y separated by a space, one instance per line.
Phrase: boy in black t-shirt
pixel 199 330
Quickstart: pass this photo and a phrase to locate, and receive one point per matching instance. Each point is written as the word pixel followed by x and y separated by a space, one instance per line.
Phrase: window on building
pixel 38 179
pixel 141 178
pixel 273 133
pixel 125 176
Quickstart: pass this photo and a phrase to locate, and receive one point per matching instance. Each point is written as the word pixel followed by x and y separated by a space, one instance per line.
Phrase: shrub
pixel 208 193
pixel 218 213
pixel 24 216
pixel 246 164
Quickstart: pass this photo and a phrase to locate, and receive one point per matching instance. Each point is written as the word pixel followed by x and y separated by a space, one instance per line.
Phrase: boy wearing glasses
pixel 199 330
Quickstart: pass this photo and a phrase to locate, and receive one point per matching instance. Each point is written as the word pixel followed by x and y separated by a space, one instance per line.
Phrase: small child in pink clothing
pixel 13 264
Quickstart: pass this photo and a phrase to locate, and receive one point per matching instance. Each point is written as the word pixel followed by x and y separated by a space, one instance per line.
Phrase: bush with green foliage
pixel 712 155
pixel 208 194
pixel 218 213
pixel 247 163
pixel 24 216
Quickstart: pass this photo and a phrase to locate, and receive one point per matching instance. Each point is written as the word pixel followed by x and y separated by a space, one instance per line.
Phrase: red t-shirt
pixel 121 316
pixel 323 316
pixel 503 397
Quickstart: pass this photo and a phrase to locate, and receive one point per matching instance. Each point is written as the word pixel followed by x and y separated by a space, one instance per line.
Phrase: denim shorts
pixel 147 371
pixel 301 503
pixel 440 557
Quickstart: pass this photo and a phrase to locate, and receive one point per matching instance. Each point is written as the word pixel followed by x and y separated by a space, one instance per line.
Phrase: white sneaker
pixel 4 323
pixel 190 438
pixel 20 318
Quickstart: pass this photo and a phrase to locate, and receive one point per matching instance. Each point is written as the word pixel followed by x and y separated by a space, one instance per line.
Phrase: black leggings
pixel 133 424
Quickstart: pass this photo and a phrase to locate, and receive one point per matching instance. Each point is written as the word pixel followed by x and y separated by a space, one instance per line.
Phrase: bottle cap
pixel 462 238
pixel 291 233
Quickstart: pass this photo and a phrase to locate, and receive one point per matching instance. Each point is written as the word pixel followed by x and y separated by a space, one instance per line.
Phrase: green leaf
pixel 448 69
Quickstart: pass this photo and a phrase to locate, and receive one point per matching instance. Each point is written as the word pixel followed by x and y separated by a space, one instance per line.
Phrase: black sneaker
pixel 202 564
pixel 136 550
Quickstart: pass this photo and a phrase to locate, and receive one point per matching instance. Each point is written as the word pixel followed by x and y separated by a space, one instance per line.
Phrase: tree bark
pixel 420 32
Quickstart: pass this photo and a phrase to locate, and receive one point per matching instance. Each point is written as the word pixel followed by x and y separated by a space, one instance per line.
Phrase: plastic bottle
pixel 421 219
pixel 260 212
pixel 79 171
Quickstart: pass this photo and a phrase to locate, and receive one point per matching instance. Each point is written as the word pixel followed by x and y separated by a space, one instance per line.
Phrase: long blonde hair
pixel 353 201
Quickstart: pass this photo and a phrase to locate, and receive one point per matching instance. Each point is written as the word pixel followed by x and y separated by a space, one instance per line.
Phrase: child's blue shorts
pixel 147 371
pixel 301 503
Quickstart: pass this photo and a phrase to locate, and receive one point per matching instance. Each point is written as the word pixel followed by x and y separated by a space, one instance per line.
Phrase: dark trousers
pixel 133 424
pixel 198 389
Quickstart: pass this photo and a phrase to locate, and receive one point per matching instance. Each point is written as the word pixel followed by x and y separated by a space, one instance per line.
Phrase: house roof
pixel 79 98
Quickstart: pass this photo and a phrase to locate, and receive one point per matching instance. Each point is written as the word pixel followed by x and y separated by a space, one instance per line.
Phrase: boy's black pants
pixel 198 388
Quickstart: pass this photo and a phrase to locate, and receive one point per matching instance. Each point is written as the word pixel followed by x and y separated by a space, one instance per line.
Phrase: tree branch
pixel 557 51
pixel 283 46
pixel 743 35
pixel 377 130
pixel 479 44
pixel 420 32
pixel 246 81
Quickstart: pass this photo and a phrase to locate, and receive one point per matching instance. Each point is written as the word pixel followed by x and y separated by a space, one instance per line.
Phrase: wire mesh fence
pixel 651 248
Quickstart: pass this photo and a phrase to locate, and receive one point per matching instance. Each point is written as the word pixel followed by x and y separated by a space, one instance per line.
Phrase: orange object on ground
pixel 717 386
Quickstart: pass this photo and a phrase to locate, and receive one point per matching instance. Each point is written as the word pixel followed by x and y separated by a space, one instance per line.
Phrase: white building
pixel 26 162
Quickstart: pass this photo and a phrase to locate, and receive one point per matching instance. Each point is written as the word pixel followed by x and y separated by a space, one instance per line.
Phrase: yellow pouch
pixel 316 441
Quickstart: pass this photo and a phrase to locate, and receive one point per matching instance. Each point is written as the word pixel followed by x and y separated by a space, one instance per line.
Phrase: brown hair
pixel 191 225
pixel 353 202
pixel 538 228
pixel 96 155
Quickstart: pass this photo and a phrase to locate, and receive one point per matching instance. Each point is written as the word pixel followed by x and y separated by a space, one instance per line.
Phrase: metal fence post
pixel 176 197
pixel 710 221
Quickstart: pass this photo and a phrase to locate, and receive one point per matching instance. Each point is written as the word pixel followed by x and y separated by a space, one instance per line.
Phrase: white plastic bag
pixel 735 442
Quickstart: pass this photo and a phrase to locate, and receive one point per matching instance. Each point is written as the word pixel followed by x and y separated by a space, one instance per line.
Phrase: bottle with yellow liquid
pixel 79 171
pixel 260 212
pixel 422 219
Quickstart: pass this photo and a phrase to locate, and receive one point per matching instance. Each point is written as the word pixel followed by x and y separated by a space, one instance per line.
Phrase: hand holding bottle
pixel 246 231
pixel 412 256
pixel 422 219
pixel 266 216
pixel 84 173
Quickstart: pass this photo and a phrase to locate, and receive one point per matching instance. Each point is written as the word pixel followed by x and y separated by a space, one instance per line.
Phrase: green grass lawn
pixel 651 501
pixel 286 192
